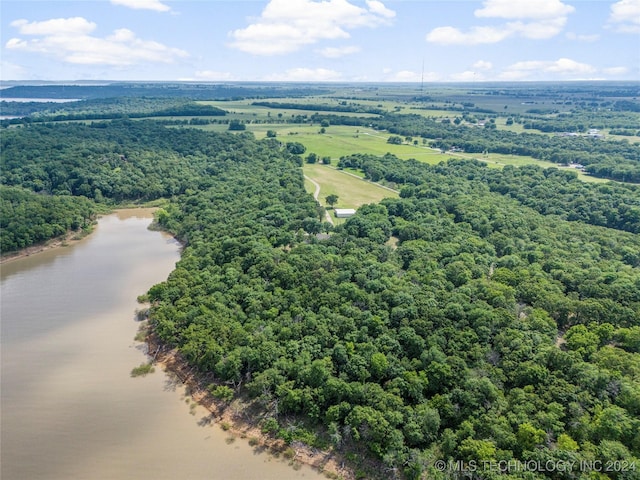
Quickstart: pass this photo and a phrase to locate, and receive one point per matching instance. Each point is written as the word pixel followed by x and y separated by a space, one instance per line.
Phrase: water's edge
pixel 70 408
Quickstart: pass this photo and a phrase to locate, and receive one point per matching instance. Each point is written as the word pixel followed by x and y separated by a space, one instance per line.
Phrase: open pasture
pixel 352 191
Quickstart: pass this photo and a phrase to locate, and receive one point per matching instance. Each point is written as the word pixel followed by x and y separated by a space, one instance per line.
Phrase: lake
pixel 70 409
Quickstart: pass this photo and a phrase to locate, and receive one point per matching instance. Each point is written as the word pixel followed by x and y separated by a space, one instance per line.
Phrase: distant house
pixel 594 133
pixel 344 212
pixel 577 166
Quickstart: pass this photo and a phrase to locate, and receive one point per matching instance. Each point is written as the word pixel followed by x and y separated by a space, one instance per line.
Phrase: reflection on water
pixel 69 406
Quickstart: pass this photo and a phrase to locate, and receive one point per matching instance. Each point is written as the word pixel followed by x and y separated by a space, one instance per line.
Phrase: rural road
pixel 316 194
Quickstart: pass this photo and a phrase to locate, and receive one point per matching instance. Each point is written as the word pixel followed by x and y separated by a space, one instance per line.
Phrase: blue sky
pixel 320 40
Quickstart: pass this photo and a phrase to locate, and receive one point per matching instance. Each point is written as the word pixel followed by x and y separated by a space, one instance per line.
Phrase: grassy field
pixel 339 141
pixel 352 191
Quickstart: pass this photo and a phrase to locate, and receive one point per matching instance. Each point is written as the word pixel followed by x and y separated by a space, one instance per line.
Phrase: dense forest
pixel 27 217
pixel 490 332
pixel 109 108
pixel 61 171
pixel 484 316
pixel 117 161
pixel 548 191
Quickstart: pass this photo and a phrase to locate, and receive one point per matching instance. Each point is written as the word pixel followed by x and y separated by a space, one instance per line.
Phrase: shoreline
pixel 68 239
pixel 234 418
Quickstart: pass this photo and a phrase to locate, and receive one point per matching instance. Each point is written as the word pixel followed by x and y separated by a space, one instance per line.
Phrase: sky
pixel 320 40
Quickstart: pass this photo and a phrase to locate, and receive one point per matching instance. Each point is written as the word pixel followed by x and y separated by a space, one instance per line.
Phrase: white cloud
pixel 483 65
pixel 69 40
pixel 405 76
pixel 155 5
pixel 625 16
pixel 475 36
pixel 378 8
pixel 568 66
pixel 286 26
pixel 563 67
pixel 531 9
pixel 55 26
pixel 337 52
pixel 582 38
pixel 538 30
pixel 409 76
pixel 534 19
pixel 16 44
pixel 305 75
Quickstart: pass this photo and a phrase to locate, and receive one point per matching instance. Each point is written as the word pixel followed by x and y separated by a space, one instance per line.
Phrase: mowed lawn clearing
pixel 339 141
pixel 352 191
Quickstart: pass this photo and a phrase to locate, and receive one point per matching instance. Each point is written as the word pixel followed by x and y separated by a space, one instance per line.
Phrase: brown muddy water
pixel 69 408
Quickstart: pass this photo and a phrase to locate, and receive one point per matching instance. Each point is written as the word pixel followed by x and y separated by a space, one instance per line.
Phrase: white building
pixel 344 212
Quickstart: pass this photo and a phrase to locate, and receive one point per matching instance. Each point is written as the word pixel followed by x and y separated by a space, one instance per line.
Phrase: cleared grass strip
pixel 352 191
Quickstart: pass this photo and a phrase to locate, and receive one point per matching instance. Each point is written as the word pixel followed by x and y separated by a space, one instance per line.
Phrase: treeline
pixel 110 109
pixel 122 105
pixel 548 191
pixel 454 323
pixel 343 106
pixel 619 171
pixel 584 118
pixel 27 218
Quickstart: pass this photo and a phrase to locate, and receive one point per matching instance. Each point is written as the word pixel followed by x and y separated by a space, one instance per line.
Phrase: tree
pixel 379 365
pixel 222 392
pixel 296 148
pixel 529 436
pixel 581 340
pixel 237 125
pixel 312 158
pixel 271 134
pixel 395 140
pixel 331 199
